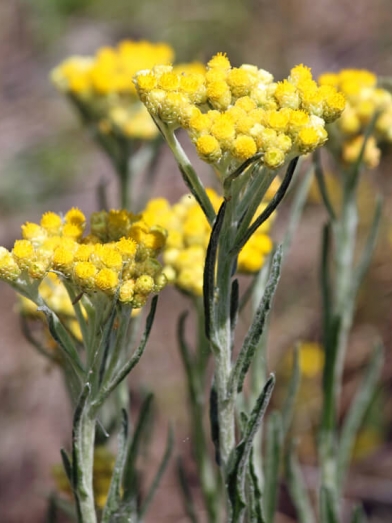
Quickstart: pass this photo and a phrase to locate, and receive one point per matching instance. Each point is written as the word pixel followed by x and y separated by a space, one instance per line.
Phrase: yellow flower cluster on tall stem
pixel 103 86
pixel 117 257
pixel 365 100
pixel 233 113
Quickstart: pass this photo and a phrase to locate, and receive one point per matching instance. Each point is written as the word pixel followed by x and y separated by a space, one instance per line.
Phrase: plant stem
pixel 83 459
pixel 223 357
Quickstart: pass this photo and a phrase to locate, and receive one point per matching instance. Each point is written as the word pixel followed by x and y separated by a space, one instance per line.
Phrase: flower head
pixel 229 111
pixel 120 248
pixel 101 85
pixel 363 100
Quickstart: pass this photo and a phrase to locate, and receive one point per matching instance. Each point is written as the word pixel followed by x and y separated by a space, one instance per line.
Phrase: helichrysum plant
pixel 354 140
pixel 107 273
pixel 86 280
pixel 247 127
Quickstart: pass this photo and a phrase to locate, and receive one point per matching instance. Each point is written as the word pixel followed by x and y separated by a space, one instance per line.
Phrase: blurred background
pixel 47 162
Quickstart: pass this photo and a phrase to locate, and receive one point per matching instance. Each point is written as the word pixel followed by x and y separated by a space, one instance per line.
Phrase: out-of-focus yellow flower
pixel 311 359
pixel 102 85
pixel 119 249
pixel 232 113
pixel 188 236
pixel 364 99
pixel 367 441
pixel 104 462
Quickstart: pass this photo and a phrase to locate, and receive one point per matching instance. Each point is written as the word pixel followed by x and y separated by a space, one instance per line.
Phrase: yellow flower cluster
pixel 232 113
pixel 187 241
pixel 364 99
pixel 103 85
pixel 102 474
pixel 117 256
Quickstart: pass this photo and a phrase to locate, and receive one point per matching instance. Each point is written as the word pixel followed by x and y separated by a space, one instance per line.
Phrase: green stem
pixel 222 336
pixel 339 320
pixel 345 238
pixel 83 437
pixel 190 176
pixel 209 481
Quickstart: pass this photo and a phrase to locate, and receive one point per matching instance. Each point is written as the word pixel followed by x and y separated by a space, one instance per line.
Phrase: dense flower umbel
pixel 188 236
pixel 364 99
pixel 102 85
pixel 118 256
pixel 233 113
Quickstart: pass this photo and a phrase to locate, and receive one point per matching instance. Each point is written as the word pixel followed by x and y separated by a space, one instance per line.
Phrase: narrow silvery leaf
pixel 161 469
pixel 104 344
pixel 214 421
pixel 108 387
pixel 320 177
pixel 63 339
pixel 130 473
pixel 359 406
pixel 368 249
pixel 326 281
pixel 255 511
pixel 270 207
pixel 187 359
pixel 189 504
pixel 296 209
pixel 209 270
pixel 247 163
pixel 67 465
pixel 234 307
pixel 239 459
pixel 291 396
pixel 274 445
pixel 255 331
pixel 297 489
pixel 113 500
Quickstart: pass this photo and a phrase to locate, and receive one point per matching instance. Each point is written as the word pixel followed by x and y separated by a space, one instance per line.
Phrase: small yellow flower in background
pixel 119 248
pixel 364 99
pixel 102 85
pixel 311 359
pixel 232 113
pixel 104 462
pixel 188 236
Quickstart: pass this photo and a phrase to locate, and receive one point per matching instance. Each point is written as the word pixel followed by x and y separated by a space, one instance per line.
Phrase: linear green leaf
pixel 255 330
pixel 130 472
pixel 357 412
pixel 159 474
pixel 63 339
pixel 291 396
pixel 274 442
pixel 189 504
pixel 368 249
pixel 113 500
pixel 296 209
pixel 107 388
pixel 297 488
pixel 278 197
pixel 320 177
pixel 209 270
pixel 239 459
